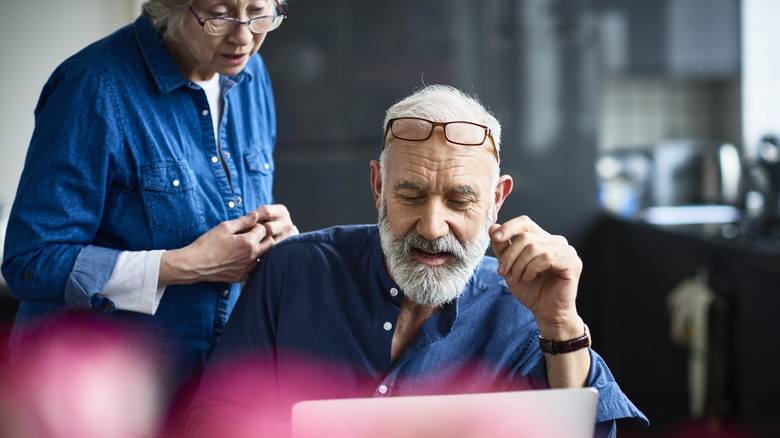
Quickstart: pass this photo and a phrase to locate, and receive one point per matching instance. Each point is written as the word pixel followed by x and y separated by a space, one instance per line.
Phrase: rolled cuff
pixel 90 273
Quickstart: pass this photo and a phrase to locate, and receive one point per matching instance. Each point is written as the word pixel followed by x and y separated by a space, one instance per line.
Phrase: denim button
pixel 205 112
pixel 227 155
pixel 388 326
pixel 176 183
pixel 393 292
pixel 231 204
pixel 214 159
pixel 226 292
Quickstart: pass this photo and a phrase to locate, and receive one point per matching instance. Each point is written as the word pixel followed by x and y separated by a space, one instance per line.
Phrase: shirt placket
pixel 430 333
pixel 228 154
pixel 233 203
pixel 223 310
pixel 385 326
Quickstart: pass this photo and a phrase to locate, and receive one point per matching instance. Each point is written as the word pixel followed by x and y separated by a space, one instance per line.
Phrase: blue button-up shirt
pixel 327 297
pixel 124 157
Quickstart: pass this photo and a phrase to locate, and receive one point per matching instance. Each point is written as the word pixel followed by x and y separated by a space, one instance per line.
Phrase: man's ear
pixel 503 189
pixel 376 183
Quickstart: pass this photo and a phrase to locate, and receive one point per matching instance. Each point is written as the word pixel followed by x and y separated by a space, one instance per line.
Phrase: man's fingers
pixel 524 250
pixel 498 245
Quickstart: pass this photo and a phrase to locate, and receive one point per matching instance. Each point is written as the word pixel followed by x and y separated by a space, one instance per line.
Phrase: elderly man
pixel 412 306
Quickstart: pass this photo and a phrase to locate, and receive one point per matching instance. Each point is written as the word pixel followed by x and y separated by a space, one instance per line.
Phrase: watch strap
pixel 560 347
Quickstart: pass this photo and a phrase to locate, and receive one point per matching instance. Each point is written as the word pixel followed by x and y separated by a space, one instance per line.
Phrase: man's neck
pixel 410 320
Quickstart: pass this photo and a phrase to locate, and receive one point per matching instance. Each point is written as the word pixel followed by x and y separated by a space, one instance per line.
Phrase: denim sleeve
pixel 90 273
pixel 613 403
pixel 72 159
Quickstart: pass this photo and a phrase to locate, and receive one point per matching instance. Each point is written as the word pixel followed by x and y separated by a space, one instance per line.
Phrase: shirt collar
pixel 162 67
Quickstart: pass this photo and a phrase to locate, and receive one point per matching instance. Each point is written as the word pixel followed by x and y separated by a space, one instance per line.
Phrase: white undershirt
pixel 214 96
pixel 133 283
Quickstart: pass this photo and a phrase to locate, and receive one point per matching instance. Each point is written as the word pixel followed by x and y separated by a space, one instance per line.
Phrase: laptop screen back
pixel 560 413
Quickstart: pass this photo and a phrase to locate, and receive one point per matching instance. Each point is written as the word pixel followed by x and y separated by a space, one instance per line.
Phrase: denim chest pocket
pixel 260 171
pixel 170 197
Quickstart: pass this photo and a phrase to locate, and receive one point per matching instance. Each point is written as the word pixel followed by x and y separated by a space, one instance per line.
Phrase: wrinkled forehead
pixel 437 162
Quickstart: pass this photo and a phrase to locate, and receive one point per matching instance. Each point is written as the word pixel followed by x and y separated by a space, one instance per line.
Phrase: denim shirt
pixel 123 157
pixel 325 300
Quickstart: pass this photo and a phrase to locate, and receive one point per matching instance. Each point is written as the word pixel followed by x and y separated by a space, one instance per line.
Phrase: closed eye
pixel 409 198
pixel 461 204
pixel 463 197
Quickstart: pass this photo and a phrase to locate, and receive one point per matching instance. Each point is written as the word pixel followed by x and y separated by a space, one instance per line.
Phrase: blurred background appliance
pixel 675 172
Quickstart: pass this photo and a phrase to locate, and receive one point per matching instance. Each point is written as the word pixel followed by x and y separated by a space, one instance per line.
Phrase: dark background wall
pixel 336 66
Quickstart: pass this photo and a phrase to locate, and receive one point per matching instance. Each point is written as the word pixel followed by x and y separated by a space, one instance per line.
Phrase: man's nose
pixel 432 223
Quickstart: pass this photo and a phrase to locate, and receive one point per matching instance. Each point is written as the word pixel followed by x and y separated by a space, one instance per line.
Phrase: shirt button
pixel 239 200
pixel 231 204
pixel 393 292
pixel 227 155
pixel 267 166
pixel 215 159
pixel 387 326
pixel 176 183
pixel 382 389
pixel 205 112
pixel 226 292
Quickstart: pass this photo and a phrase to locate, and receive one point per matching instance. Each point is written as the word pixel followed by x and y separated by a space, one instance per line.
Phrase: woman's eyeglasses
pixel 224 26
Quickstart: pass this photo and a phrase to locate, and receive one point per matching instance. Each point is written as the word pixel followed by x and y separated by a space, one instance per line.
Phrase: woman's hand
pixel 226 253
pixel 277 222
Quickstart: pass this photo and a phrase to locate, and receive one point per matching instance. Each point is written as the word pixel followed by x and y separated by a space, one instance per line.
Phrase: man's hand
pixel 543 272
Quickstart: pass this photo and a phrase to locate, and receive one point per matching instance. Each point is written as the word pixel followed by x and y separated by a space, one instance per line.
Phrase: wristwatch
pixel 560 347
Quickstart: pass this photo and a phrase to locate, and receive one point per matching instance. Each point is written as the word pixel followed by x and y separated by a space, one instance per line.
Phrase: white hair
pixel 444 103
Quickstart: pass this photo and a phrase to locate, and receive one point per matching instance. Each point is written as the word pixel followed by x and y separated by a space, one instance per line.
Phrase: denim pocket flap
pixel 168 176
pixel 258 162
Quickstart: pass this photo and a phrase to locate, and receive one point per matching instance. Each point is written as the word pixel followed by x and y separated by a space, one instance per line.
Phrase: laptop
pixel 559 413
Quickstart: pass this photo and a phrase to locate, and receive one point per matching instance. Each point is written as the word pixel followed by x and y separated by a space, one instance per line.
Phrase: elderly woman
pixel 146 194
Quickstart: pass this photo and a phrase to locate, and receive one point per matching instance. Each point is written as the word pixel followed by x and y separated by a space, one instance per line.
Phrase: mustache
pixel 445 244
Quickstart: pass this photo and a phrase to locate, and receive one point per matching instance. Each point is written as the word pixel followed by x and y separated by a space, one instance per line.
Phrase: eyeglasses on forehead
pixel 457 132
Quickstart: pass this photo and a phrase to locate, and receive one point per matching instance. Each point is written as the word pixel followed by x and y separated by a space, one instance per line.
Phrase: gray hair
pixel 444 103
pixel 167 16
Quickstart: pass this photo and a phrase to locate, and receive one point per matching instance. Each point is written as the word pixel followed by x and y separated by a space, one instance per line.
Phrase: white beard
pixel 432 285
